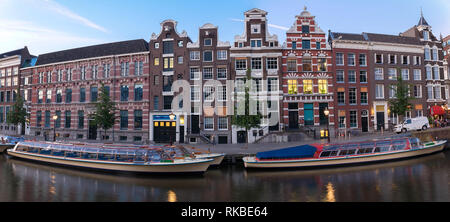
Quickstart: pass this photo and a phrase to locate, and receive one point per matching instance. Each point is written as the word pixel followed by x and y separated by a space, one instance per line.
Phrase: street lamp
pixel 55 117
pixel 326 112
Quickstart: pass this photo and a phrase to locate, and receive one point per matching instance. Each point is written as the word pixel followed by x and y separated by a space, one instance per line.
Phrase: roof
pixel 422 21
pixel 347 36
pixel 117 48
pixel 392 39
pixel 299 152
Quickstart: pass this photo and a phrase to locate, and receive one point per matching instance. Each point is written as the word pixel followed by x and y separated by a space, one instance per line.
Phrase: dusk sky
pixel 53 25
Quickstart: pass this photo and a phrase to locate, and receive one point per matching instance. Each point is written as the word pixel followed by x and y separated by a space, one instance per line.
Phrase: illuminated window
pixel 323 86
pixel 322 64
pixel 292 87
pixel 156 63
pixel 307 86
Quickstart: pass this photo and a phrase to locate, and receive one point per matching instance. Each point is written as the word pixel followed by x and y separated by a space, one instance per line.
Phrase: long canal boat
pixel 311 156
pixel 110 158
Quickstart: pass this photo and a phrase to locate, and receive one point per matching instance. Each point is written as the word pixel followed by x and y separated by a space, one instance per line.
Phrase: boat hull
pixel 4 147
pixel 251 162
pixel 217 158
pixel 181 167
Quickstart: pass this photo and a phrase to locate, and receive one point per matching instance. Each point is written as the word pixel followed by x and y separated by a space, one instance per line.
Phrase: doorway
pixel 92 134
pixel 365 121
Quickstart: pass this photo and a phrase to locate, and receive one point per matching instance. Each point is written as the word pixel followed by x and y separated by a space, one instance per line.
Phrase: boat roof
pixel 305 151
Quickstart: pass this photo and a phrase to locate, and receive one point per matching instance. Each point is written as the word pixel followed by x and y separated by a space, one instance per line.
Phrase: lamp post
pixel 326 112
pixel 172 118
pixel 55 117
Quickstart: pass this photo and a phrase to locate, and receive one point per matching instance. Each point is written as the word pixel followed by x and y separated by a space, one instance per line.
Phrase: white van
pixel 419 123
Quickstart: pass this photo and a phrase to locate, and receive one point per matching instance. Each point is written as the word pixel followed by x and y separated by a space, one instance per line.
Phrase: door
pixel 309 114
pixel 181 134
pixel 195 124
pixel 242 137
pixel 322 118
pixel 293 119
pixel 365 121
pixel 380 121
pixel 92 134
pixel 165 132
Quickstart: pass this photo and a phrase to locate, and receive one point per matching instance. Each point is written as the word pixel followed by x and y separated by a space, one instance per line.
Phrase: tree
pixel 18 114
pixel 104 116
pixel 401 103
pixel 244 118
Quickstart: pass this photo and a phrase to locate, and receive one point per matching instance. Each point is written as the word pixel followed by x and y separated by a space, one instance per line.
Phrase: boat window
pixel 377 150
pixel 367 145
pixel 343 153
pixel 58 153
pixel 91 156
pixel 325 154
pixel 72 154
pixel 45 151
pixel 415 143
pixel 398 145
pixel 334 153
pixel 365 150
pixel 22 148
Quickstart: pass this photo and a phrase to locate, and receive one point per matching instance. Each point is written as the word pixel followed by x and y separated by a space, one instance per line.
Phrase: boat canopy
pixel 299 152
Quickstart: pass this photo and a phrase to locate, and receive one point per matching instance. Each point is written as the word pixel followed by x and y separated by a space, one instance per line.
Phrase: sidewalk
pixel 236 149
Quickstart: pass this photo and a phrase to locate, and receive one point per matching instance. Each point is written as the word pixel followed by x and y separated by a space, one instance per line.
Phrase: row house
pixel 446 53
pixel 351 82
pixel 258 53
pixel 66 85
pixel 169 63
pixel 209 88
pixel 307 77
pixel 11 64
pixel 437 80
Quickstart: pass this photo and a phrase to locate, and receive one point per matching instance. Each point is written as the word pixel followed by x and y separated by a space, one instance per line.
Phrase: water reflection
pixel 422 179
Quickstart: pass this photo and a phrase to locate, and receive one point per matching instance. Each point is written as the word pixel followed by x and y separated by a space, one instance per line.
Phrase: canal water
pixel 424 179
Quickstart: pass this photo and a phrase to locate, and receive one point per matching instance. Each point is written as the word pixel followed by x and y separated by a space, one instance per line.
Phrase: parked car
pixel 419 123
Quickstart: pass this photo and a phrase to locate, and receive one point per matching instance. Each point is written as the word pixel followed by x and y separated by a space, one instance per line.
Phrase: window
pixel 351 60
pixel 427 54
pixel 123 119
pixel 379 91
pixel 167 83
pixel 339 59
pixel 378 58
pixel 340 76
pixel 305 29
pixel 180 44
pixel 208 73
pixel 207 42
pixel 168 64
pixel 49 78
pixel 138 68
pixel 417 74
pixel 256 63
pixel 208 93
pixel 306 44
pixel 352 96
pixel 294 45
pixel 195 73
pixel 363 76
pixel 80 119
pixel 94 94
pixel 353 119
pixel 221 73
pixel 241 64
pixel 156 61
pixel 255 43
pixel 207 56
pixel 138 92
pixel 307 65
pixel 405 60
pixel 418 91
pixel 68 119
pixel 58 119
pixel 364 98
pixel 94 72
pixel 392 59
pixel 222 93
pixel 392 91
pixel 256 29
pixel 168 47
pixel 323 86
pixel 417 60
pixel 138 119
pixel 272 85
pixel 221 55
pixel 68 95
pixel 392 74
pixel 307 86
pixel 106 70
pixel 341 98
pixel 124 69
pixel 405 74
pixel 435 54
pixel 436 73
pixel 195 93
pixel 167 102
pixel 223 123
pixel 38 118
pixel 292 65
pixel 195 55
pixel 48 98
pixel 156 102
pixel 429 73
pixel 272 63
pixel 362 60
pixel 322 64
pixel 318 45
pixel 292 87
pixel 156 45
pixel 209 123
pixel 82 95
pixel 47 119
pixel 426 35
pixel 59 96
pixel 437 92
pixel 352 76
pixel 342 122
pixel 430 92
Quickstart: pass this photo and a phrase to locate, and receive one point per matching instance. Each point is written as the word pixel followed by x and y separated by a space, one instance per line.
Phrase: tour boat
pixel 110 158
pixel 8 142
pixel 310 156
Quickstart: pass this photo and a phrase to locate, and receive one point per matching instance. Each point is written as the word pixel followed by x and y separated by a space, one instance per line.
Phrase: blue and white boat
pixel 108 157
pixel 316 155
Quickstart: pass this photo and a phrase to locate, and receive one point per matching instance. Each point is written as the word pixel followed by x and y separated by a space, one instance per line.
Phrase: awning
pixel 437 110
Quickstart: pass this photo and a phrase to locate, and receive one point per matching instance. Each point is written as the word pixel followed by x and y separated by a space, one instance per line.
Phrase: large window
pixel 195 73
pixel 307 86
pixel 323 86
pixel 292 65
pixel 68 95
pixel 351 59
pixel 352 76
pixel 195 93
pixel 223 123
pixel 68 119
pixel 138 119
pixel 94 94
pixel 272 63
pixel 363 76
pixel 168 47
pixel 221 73
pixel 340 76
pixel 138 92
pixel 208 56
pixel 168 64
pixel 292 87
pixel 417 74
pixel 124 92
pixel 82 95
pixel 256 64
pixel 341 98
pixel 322 64
pixel 208 73
pixel 362 60
pixel 379 91
pixel 392 74
pixel 306 44
pixel 307 64
pixel 209 123
pixel 339 59
pixel 352 96
pixel 80 119
pixel 59 96
pixel 123 119
pixel 241 64
pixel 353 119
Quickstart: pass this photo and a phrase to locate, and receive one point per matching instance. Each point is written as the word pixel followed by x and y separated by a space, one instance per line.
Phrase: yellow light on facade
pixel 182 120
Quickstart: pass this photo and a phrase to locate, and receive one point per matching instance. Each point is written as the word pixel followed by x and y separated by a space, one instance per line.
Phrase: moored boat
pixel 315 155
pixel 196 153
pixel 136 160
pixel 8 142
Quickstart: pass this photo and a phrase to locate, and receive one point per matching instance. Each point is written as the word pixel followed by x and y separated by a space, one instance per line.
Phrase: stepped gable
pixel 117 48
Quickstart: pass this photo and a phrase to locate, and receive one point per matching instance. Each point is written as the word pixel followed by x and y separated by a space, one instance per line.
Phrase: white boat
pixel 196 153
pixel 8 142
pixel 135 160
pixel 344 154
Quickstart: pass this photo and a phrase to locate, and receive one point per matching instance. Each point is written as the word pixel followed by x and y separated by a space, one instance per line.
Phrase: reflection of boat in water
pixel 111 158
pixel 343 154
pixel 8 142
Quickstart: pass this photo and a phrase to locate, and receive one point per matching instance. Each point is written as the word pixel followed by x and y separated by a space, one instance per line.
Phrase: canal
pixel 424 179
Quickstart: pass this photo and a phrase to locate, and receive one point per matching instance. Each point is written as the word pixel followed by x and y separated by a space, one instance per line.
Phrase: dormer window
pixel 256 43
pixel 208 42
pixel 426 35
pixel 305 29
